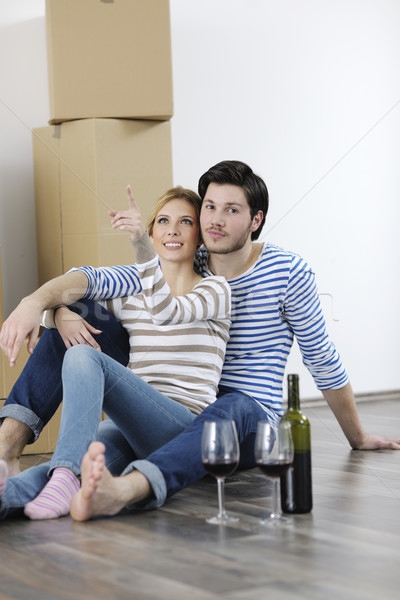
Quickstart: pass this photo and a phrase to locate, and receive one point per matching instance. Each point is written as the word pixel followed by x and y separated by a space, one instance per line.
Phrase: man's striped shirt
pixel 275 300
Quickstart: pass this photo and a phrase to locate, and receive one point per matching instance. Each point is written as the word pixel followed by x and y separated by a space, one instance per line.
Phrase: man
pixel 273 298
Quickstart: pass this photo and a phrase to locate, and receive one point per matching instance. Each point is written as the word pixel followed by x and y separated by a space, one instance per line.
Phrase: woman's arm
pixel 209 300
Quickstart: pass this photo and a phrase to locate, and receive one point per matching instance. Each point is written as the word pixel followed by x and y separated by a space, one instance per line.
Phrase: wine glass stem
pixel 276 506
pixel 221 498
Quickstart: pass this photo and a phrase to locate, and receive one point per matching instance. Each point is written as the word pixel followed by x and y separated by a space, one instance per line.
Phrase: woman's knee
pixel 77 357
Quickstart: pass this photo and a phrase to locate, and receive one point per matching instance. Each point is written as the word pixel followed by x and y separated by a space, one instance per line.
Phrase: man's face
pixel 225 221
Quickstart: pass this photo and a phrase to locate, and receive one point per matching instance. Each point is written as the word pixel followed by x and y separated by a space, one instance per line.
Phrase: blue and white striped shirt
pixel 275 300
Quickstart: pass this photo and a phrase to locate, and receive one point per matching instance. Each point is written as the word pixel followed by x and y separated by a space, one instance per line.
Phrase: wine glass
pixel 220 457
pixel 274 455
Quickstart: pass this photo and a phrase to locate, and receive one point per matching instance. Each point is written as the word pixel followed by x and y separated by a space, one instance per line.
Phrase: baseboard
pixel 365 397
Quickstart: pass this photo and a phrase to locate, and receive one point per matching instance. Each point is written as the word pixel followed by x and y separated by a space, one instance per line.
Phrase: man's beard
pixel 233 247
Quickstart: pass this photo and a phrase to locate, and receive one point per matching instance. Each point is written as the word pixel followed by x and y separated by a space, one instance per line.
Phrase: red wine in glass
pixel 220 457
pixel 220 468
pixel 275 468
pixel 274 454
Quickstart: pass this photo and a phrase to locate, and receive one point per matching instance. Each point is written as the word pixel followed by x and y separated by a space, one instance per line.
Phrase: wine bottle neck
pixel 293 392
pixel 293 403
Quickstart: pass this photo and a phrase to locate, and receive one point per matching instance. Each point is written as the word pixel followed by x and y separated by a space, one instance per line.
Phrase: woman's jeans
pixel 144 418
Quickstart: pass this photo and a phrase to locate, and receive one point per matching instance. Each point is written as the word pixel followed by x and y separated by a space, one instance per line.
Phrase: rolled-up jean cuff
pixel 25 415
pixel 66 464
pixel 156 480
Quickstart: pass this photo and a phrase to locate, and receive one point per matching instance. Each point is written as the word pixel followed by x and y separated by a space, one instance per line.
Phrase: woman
pixel 178 325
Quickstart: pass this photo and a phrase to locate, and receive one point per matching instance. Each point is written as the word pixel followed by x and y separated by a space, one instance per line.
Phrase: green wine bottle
pixel 296 483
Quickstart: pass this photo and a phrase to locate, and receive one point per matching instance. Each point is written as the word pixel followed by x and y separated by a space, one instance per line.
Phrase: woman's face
pixel 176 231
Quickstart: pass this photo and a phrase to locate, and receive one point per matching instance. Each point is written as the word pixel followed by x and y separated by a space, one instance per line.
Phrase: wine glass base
pixel 223 520
pixel 274 519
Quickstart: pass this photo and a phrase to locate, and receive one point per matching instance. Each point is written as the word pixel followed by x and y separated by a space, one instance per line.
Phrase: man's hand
pixel 23 322
pixel 129 220
pixel 343 406
pixel 74 330
pixel 377 442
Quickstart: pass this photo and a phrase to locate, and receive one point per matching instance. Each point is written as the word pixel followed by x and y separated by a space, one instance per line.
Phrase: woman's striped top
pixel 177 343
pixel 275 300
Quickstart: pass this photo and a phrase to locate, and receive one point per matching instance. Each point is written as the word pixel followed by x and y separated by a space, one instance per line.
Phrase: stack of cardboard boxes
pixel 110 85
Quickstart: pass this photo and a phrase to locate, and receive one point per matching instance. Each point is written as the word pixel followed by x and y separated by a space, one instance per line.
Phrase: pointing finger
pixel 131 200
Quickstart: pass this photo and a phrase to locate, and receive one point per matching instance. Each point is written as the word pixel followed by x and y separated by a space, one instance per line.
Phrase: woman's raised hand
pixel 129 220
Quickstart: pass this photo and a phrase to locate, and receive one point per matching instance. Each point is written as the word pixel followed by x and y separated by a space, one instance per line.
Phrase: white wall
pixel 308 93
pixel 23 104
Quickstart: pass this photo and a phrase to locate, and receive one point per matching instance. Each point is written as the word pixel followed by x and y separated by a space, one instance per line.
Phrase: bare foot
pixel 101 494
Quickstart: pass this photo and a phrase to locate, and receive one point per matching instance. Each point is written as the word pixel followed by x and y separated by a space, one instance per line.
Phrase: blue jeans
pixel 178 464
pixel 37 393
pixel 91 381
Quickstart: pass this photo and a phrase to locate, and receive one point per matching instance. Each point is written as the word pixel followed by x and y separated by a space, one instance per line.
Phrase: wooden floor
pixel 347 548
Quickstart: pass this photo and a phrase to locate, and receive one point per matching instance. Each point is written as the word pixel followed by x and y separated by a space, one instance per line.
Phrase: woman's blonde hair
pixel 176 193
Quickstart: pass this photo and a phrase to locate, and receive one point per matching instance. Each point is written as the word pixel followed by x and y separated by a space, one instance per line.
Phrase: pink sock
pixel 55 498
pixel 3 476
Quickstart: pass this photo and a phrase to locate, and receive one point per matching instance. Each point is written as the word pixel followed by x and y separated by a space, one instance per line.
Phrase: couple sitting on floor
pixel 181 342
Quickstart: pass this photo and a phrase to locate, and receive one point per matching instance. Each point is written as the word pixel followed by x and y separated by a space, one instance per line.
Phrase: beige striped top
pixel 177 344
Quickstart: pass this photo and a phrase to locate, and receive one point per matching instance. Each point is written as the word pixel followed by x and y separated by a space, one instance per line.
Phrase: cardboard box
pixel 109 59
pixel 81 170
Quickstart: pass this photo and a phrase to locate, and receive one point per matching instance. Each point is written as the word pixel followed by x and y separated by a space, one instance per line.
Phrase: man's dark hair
pixel 234 172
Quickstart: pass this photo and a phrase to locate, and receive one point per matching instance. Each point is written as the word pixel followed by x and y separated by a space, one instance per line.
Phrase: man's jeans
pixel 178 463
pixel 37 393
